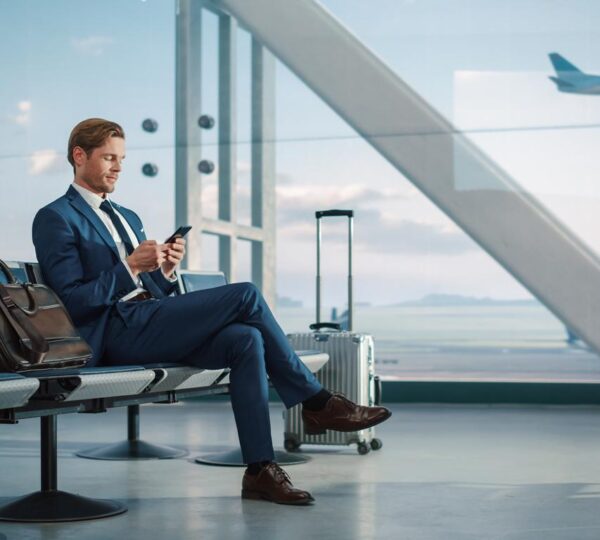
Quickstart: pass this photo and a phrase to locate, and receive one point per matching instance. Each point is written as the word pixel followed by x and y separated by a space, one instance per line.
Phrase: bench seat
pixel 174 377
pixel 15 390
pixel 91 383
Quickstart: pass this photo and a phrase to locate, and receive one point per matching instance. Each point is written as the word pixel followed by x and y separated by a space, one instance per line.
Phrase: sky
pixel 482 63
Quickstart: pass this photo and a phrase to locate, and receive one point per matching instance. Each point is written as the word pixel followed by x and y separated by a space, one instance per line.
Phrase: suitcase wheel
pixel 363 448
pixel 291 445
pixel 376 444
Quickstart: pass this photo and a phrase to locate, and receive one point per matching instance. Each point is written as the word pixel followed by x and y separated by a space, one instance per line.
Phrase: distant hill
pixel 459 300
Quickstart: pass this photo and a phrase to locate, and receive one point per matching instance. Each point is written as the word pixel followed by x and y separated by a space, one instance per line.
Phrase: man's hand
pixel 147 257
pixel 174 254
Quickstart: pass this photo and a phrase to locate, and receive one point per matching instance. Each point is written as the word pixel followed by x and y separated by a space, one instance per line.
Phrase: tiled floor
pixel 445 472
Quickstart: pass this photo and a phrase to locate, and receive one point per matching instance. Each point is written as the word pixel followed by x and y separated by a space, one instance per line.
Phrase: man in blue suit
pixel 117 287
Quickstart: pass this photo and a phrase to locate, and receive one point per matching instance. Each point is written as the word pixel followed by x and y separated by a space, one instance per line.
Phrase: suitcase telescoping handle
pixel 335 213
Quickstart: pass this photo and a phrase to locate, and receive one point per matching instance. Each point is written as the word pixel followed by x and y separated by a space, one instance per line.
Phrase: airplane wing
pixel 561 83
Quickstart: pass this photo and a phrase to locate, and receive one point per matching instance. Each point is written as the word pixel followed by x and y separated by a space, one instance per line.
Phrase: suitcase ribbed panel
pixel 349 371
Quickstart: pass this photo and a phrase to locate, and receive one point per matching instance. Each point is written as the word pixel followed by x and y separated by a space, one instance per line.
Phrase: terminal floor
pixel 446 472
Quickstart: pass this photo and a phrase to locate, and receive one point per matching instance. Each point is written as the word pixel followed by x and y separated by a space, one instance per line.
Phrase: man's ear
pixel 79 156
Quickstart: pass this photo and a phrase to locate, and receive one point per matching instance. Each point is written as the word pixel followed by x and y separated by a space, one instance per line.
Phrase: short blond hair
pixel 92 133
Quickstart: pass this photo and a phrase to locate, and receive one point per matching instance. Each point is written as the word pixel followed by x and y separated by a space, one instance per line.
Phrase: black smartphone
pixel 180 232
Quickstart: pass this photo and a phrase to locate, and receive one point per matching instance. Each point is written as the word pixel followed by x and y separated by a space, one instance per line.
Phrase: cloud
pixel 374 231
pixel 22 117
pixel 46 162
pixel 92 45
pixel 297 203
pixel 410 237
pixel 375 234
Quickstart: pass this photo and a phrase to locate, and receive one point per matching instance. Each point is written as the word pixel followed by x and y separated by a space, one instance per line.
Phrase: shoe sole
pixel 258 496
pixel 323 431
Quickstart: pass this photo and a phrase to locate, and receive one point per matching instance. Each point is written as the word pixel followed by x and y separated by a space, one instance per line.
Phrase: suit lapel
pixel 84 208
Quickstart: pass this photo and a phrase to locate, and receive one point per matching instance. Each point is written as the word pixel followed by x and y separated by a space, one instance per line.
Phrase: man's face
pixel 100 171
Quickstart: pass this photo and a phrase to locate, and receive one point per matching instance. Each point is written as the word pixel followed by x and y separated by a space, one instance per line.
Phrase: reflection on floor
pixel 445 472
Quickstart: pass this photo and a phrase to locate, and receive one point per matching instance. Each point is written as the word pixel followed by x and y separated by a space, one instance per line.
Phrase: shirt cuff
pixel 171 279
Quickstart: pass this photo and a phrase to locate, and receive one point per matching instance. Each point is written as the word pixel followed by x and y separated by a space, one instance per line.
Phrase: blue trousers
pixel 224 327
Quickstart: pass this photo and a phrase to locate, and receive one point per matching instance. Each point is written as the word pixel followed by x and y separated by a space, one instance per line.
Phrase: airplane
pixel 571 79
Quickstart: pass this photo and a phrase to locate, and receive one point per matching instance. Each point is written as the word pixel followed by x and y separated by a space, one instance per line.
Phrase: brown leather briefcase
pixel 36 331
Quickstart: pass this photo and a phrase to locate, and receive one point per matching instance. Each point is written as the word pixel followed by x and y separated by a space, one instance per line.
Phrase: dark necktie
pixel 107 208
pixel 147 281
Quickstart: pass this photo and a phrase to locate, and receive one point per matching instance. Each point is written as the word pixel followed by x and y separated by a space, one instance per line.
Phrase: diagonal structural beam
pixel 514 228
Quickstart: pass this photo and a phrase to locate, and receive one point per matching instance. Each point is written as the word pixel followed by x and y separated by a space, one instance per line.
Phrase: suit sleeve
pixel 167 286
pixel 56 247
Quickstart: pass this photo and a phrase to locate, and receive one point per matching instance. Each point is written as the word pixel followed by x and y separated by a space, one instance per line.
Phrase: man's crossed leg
pixel 233 327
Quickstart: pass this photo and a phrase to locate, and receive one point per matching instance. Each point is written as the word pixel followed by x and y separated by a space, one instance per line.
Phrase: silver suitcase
pixel 350 369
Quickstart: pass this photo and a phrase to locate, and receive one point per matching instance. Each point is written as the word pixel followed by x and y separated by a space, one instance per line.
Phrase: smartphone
pixel 180 232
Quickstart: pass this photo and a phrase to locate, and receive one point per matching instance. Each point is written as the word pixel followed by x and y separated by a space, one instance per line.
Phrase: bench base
pixel 131 450
pixel 233 458
pixel 55 506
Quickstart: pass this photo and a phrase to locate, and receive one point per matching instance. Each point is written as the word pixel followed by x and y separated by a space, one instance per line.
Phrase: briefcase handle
pixel 32 309
pixel 32 341
pixel 6 271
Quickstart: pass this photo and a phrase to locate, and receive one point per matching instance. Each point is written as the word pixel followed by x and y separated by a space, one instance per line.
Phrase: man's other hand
pixel 147 257
pixel 174 254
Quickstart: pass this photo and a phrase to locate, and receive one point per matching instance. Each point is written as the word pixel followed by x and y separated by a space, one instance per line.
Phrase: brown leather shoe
pixel 341 414
pixel 273 484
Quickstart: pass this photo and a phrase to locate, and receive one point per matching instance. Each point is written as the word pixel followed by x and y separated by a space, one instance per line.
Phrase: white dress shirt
pixel 95 201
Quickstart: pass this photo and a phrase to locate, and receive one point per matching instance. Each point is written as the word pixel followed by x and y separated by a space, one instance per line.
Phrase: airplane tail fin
pixel 561 65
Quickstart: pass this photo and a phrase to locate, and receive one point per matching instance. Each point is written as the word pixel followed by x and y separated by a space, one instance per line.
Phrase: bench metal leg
pixel 133 447
pixel 49 504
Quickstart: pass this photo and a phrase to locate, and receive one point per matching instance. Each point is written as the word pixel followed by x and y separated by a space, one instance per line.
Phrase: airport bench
pixel 50 393
pixel 45 394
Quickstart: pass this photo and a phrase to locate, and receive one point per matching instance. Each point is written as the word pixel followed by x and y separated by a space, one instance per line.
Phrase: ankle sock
pixel 318 401
pixel 254 468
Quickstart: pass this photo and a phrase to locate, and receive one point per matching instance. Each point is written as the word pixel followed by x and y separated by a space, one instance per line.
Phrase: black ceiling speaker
pixel 150 169
pixel 150 125
pixel 206 166
pixel 206 121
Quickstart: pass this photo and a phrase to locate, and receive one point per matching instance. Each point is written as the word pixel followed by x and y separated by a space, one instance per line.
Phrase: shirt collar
pixel 92 199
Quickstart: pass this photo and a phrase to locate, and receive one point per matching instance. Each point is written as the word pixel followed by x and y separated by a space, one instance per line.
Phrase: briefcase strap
pixel 34 344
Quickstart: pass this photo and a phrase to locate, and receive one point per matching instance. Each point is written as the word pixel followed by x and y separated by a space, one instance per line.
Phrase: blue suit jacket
pixel 80 262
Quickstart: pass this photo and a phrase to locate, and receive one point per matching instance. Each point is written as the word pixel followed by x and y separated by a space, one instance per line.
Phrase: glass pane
pixel 489 69
pixel 122 71
pixel 244 260
pixel 210 252
pixel 491 119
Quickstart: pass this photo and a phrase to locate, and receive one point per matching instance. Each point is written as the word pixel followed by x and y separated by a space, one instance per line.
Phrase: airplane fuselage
pixel 590 91
pixel 576 82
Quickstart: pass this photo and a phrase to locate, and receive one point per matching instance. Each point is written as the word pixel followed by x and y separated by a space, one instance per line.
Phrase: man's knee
pixel 248 344
pixel 249 289
pixel 251 296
